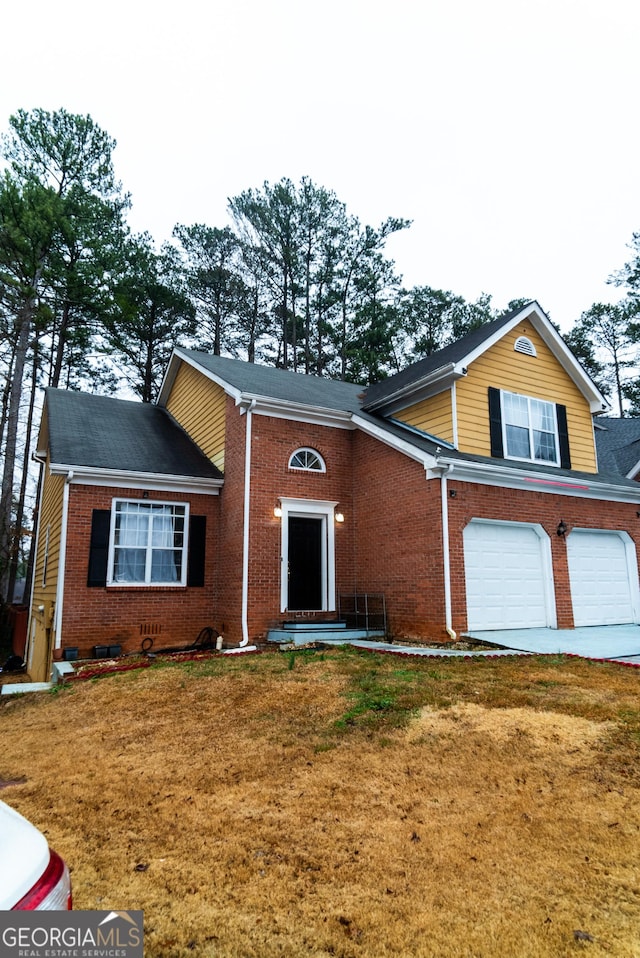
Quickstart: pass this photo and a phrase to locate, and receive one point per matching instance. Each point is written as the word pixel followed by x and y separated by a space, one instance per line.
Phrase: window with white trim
pixel 148 543
pixel 530 429
pixel 307 460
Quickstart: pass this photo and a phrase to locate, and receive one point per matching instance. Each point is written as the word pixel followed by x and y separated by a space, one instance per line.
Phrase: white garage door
pixel 602 588
pixel 505 576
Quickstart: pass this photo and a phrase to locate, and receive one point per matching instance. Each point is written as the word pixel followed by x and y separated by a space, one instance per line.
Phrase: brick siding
pixel 390 541
pixel 125 616
pixel 489 502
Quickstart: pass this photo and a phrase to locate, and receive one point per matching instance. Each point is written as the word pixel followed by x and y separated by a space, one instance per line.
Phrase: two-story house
pixel 465 489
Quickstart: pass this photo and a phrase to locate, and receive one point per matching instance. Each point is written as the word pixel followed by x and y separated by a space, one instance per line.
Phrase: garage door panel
pixel 603 581
pixel 505 576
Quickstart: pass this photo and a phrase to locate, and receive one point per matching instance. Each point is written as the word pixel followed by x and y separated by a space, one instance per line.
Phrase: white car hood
pixel 24 855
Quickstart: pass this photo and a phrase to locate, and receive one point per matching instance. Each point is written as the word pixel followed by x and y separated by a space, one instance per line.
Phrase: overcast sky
pixel 507 130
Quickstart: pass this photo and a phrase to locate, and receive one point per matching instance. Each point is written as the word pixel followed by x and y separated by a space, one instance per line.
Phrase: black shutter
pixel 495 423
pixel 197 547
pixel 99 547
pixel 563 436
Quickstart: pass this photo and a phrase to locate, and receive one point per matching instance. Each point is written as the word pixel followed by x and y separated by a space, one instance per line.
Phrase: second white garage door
pixel 604 577
pixel 507 575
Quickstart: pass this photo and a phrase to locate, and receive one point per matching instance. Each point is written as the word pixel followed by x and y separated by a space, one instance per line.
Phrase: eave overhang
pixel 299 412
pixel 443 377
pixel 499 474
pixel 534 314
pixel 435 382
pixel 92 476
pixel 177 357
pixel 258 403
pixel 490 474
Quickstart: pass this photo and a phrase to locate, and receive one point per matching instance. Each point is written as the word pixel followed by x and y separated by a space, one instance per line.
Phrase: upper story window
pixel 530 428
pixel 148 543
pixel 307 460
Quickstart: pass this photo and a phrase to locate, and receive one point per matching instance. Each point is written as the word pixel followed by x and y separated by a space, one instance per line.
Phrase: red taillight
pixel 52 891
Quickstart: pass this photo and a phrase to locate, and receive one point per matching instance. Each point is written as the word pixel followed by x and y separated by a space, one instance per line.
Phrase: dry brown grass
pixel 345 804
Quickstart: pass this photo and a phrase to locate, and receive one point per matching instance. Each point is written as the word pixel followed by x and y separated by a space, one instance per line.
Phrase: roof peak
pixel 379 394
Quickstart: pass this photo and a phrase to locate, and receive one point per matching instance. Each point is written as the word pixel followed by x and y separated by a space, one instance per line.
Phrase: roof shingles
pixel 105 433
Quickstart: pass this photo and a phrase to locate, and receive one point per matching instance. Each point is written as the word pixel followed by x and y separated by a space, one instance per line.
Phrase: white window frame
pixel 529 399
pixel 147 583
pixel 320 467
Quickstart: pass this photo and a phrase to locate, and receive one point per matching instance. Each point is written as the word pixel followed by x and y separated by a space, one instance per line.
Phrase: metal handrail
pixel 363 610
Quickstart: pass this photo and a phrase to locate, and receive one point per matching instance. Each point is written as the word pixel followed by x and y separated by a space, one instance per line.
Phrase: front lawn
pixel 341 803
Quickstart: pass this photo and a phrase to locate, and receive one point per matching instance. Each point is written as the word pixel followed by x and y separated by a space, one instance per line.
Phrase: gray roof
pixel 618 443
pixel 271 383
pixel 453 353
pixel 282 384
pixel 105 433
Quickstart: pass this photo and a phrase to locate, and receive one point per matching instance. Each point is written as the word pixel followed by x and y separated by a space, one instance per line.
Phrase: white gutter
pixel 299 412
pixel 583 486
pixel 446 560
pixel 265 405
pixel 245 531
pixel 57 618
pixel 93 476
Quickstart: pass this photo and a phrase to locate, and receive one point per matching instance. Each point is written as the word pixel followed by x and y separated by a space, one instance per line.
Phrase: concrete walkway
pixel 418 649
pixel 616 642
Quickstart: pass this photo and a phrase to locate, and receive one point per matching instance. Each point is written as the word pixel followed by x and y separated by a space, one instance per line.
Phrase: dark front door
pixel 305 563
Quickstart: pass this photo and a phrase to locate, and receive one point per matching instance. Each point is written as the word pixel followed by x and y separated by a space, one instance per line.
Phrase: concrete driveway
pixel 620 642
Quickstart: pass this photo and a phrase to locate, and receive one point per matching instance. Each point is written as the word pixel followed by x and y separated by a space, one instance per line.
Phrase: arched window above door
pixel 306 459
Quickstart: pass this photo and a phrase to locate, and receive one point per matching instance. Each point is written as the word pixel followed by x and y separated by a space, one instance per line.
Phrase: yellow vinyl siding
pixel 199 406
pixel 541 377
pixel 44 594
pixel 50 518
pixel 433 415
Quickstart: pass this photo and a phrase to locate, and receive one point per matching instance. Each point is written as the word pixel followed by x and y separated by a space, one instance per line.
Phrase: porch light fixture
pixel 339 517
pixel 277 511
pixel 562 528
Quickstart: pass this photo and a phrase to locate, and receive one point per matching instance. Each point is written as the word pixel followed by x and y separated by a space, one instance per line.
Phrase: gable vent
pixel 524 345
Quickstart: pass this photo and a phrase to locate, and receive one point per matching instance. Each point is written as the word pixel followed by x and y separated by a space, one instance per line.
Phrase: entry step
pixel 299 626
pixel 340 635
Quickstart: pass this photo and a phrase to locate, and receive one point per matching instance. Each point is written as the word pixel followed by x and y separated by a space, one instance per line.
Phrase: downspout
pixel 445 471
pixel 245 531
pixel 57 618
